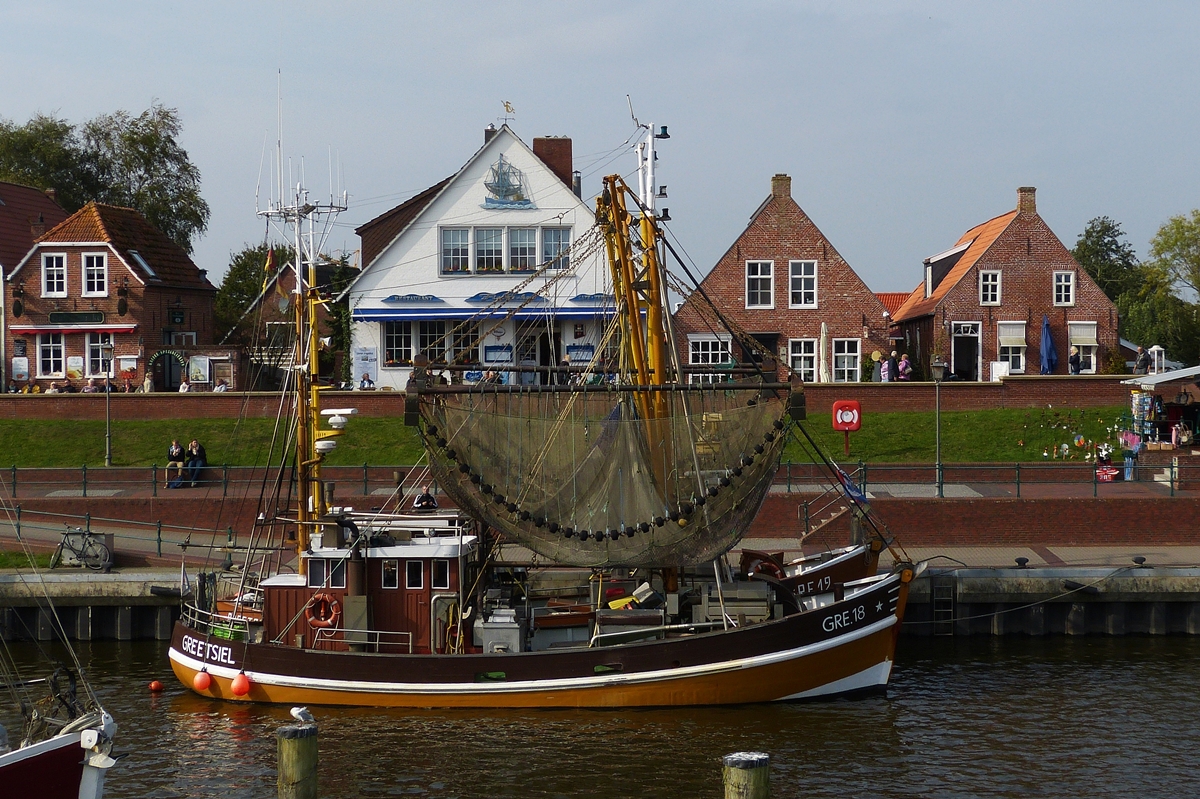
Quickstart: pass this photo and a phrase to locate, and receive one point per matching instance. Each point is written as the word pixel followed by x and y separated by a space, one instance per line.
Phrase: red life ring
pixel 323 610
pixel 767 567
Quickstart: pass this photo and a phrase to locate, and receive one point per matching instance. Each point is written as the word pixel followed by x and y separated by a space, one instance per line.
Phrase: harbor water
pixel 964 717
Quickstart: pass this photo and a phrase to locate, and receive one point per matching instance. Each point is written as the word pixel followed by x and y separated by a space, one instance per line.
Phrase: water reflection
pixel 989 717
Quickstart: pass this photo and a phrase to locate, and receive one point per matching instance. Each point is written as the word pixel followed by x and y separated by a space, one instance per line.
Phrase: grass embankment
pixel 1001 435
pixel 18 560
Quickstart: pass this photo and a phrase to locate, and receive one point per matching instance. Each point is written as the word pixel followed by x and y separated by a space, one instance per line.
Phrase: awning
pixel 430 314
pixel 1012 341
pixel 1084 340
pixel 26 329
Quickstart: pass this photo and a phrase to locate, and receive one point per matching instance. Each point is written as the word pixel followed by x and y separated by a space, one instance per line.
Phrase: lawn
pixel 1001 435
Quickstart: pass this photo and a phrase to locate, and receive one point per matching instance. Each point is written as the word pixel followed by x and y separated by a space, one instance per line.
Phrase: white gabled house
pixel 436 267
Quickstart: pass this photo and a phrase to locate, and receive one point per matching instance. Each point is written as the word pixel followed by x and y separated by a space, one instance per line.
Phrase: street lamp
pixel 106 359
pixel 938 369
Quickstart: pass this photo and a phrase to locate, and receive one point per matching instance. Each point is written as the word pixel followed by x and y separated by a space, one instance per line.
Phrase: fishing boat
pixel 624 482
pixel 63 748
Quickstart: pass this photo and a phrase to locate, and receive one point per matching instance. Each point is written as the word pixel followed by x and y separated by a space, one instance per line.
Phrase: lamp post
pixel 106 358
pixel 938 370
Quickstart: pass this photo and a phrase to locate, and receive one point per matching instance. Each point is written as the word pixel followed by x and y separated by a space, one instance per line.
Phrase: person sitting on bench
pixel 176 457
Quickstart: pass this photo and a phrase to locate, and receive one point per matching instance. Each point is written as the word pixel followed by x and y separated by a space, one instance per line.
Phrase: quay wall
pixel 1081 391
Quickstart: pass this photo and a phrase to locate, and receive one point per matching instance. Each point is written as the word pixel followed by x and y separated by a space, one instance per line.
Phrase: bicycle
pixel 91 551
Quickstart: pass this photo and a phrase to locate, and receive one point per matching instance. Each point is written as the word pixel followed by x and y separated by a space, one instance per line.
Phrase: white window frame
pixel 555 255
pixel 408 573
pixel 401 333
pixel 989 287
pixel 522 257
pixel 448 257
pixel 808 293
pixel 1066 282
pixel 846 373
pixel 337 572
pixel 493 238
pixel 60 267
pixel 431 340
pixel 95 354
pixel 55 342
pixel 93 269
pixel 317 569
pixel 440 563
pixel 383 574
pixel 702 352
pixel 798 350
pixel 1087 352
pixel 1015 355
pixel 768 278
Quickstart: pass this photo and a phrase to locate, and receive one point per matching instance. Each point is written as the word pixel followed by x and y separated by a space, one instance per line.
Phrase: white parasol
pixel 823 354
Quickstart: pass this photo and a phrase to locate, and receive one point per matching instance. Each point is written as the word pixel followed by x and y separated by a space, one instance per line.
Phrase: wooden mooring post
pixel 747 775
pixel 297 756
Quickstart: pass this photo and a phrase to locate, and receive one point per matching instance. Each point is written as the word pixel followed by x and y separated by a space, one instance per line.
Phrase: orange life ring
pixel 323 610
pixel 766 567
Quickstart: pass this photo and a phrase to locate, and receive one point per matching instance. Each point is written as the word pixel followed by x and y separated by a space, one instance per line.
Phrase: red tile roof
pixel 892 300
pixel 377 234
pixel 20 209
pixel 128 231
pixel 980 238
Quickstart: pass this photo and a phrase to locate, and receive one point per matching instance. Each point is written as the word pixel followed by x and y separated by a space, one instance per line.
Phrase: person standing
pixel 184 387
pixel 176 457
pixel 1141 364
pixel 905 368
pixel 1073 361
pixel 196 461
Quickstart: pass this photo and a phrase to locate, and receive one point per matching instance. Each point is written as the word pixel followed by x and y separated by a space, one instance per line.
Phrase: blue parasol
pixel 1049 355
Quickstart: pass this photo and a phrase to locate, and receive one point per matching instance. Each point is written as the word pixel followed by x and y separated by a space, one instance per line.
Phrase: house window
pixel 391 574
pixel 456 250
pixel 556 241
pixel 50 355
pixel 414 574
pixel 522 249
pixel 489 249
pixel 759 290
pixel 95 275
pixel 1010 341
pixel 441 574
pixel 466 345
pixel 845 360
pixel 1083 336
pixel 95 348
pixel 54 275
pixel 989 288
pixel 709 350
pixel 316 572
pixel 397 343
pixel 185 338
pixel 1064 288
pixel 432 341
pixel 803 358
pixel 804 284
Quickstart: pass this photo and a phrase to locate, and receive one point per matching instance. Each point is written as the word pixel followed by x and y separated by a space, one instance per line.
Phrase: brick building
pixel 106 277
pixel 784 283
pixel 981 304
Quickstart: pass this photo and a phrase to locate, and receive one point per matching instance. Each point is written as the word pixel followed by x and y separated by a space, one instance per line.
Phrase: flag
pixel 185 587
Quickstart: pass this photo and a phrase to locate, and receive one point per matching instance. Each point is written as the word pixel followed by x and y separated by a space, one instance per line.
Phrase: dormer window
pixel 95 275
pixel 54 275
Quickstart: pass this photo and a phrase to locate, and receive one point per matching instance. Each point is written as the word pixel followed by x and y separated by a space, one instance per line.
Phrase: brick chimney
pixel 38 228
pixel 555 152
pixel 781 185
pixel 1026 200
pixel 488 133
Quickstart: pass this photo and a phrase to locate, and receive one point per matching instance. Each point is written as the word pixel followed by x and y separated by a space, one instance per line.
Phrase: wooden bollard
pixel 747 775
pixel 297 756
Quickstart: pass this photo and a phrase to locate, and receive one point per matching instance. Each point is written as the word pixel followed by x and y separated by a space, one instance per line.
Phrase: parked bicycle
pixel 85 548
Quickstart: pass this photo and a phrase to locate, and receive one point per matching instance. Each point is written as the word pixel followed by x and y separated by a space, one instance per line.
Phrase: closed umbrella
pixel 823 354
pixel 1049 355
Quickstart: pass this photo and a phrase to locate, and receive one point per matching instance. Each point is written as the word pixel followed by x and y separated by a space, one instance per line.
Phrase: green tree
pixel 339 318
pixel 1175 249
pixel 1104 254
pixel 241 286
pixel 1154 313
pixel 115 158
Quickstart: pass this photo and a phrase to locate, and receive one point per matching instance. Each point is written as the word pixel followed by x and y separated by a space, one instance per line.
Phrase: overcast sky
pixel 902 124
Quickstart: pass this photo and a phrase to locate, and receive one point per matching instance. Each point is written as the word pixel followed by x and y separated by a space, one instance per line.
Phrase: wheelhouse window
pixel 97 364
pixel 441 574
pixel 489 249
pixel 433 340
pixel 316 572
pixel 522 249
pixel 326 573
pixel 50 354
pixel 803 276
pixel 414 574
pixel 759 284
pixel 397 343
pixel 54 275
pixel 709 350
pixel 556 241
pixel 391 574
pixel 1011 345
pixel 95 275
pixel 989 288
pixel 456 250
pixel 337 573
pixel 846 354
pixel 802 354
pixel 1064 288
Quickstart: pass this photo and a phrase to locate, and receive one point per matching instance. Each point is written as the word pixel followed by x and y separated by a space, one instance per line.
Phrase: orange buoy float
pixel 202 681
pixel 156 686
pixel 323 611
pixel 241 684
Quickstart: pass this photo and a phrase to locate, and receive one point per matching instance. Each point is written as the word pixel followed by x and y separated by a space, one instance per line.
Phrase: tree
pixel 115 158
pixel 241 287
pixel 1175 249
pixel 1103 254
pixel 1153 313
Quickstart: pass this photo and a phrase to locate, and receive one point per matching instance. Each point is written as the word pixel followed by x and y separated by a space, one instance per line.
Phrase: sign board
pixel 497 353
pixel 198 369
pixel 366 362
pixel 847 416
pixel 74 367
pixel 20 369
pixel 21 347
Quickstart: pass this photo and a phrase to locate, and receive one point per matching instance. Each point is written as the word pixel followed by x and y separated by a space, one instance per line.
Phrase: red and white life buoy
pixel 323 610
pixel 767 567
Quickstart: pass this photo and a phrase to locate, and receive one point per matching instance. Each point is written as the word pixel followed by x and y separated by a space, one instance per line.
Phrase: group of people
pixel 93 386
pixel 890 370
pixel 188 462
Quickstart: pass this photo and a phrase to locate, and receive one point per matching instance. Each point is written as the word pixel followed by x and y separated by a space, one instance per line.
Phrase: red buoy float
pixel 156 686
pixel 241 684
pixel 202 680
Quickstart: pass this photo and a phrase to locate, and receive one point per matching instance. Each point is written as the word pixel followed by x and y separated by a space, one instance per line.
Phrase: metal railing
pixel 371 638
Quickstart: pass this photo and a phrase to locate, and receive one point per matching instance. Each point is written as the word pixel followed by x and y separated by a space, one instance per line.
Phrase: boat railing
pixel 599 639
pixel 217 624
pixel 370 638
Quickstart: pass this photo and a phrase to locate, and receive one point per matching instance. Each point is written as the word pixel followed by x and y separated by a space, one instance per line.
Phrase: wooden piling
pixel 297 761
pixel 747 775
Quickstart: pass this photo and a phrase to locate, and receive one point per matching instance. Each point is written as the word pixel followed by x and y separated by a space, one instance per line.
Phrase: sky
pixel 902 124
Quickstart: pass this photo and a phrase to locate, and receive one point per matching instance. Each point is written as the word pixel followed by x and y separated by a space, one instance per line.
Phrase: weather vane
pixel 509 112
